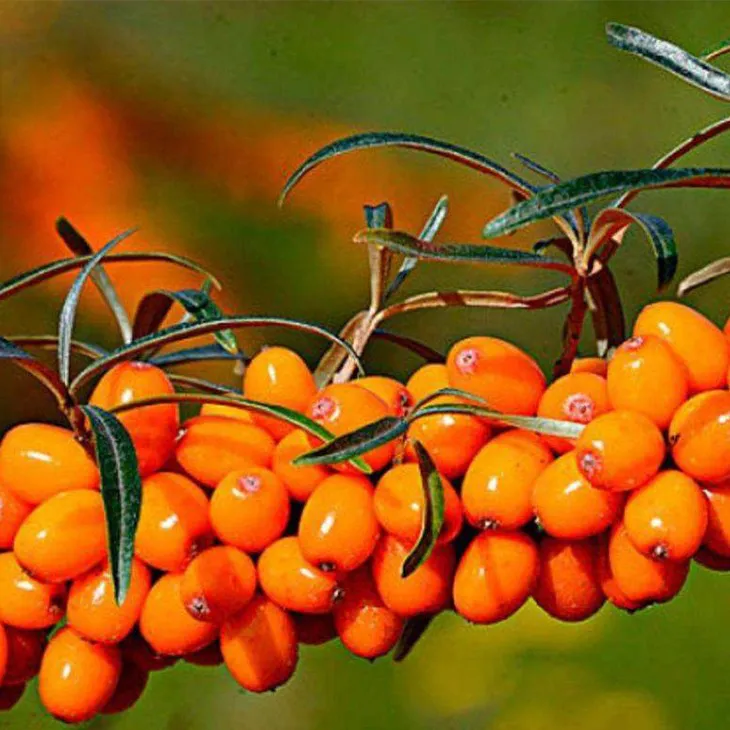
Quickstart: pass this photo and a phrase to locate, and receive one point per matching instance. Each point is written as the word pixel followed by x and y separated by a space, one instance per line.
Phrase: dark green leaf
pixel 192 383
pixel 332 360
pixel 537 168
pixel 559 242
pixel 413 629
pixel 121 490
pixel 708 273
pixel 196 354
pixel 378 216
pixel 408 343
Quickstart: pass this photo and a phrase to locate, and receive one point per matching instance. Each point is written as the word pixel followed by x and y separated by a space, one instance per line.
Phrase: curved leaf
pixel 449 392
pixel 413 629
pixel 331 361
pixel 206 386
pixel 671 58
pixel 536 167
pixel 408 343
pixel 560 242
pixel 609 324
pixel 50 342
pixel 196 354
pixel 708 273
pixel 121 490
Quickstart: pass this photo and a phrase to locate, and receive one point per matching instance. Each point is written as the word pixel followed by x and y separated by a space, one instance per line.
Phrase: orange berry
pixel 568 587
pixel 667 517
pixel 259 645
pixel 154 428
pixel 427 380
pixel 399 505
pixel 173 522
pixel 278 376
pixel 696 341
pixel 221 411
pixel 608 583
pixel 700 437
pixel 497 371
pixel 338 529
pixel 77 678
pixel 620 450
pixel 38 460
pixel 218 583
pixel 135 649
pixel 426 590
pixel 315 629
pixel 63 537
pixel 12 513
pixel 209 656
pixel 293 583
pixel 24 653
pixel 395 395
pixel 711 560
pixel 300 481
pixel 10 696
pixel 641 579
pixel 495 576
pixel 212 446
pixel 365 625
pixel 726 329
pixel 717 536
pixel 345 407
pixel 250 509
pixel 131 686
pixel 595 365
pixel 165 624
pixel 568 506
pixel 497 488
pixel 92 610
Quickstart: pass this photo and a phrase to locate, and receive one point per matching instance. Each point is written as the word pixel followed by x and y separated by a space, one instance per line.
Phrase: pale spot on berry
pixel 633 343
pixel 590 464
pixel 324 409
pixel 579 408
pixel 250 484
pixel 467 360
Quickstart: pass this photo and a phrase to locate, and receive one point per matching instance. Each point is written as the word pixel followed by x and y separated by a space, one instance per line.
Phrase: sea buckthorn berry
pixel 315 629
pixel 212 446
pixel 24 653
pixel 700 437
pixel 130 688
pixel 12 513
pixel 641 579
pixel 222 411
pixel 208 656
pixel 399 504
pixel 77 678
pixel 451 439
pixel 497 371
pixel 92 610
pixel 10 696
pixel 717 535
pixel 495 576
pixel 696 341
pixel 293 583
pixel 259 646
pixel 165 624
pixel 667 517
pixel 426 590
pixel 568 587
pixel 608 583
pixel 497 488
pixel 173 522
pixel 577 397
pixel 345 407
pixel 595 365
pixel 218 583
pixel 726 329
pixel 646 376
pixel 135 649
pixel 365 625
pixel 280 377
pixel 338 529
pixel 63 537
pixel 395 395
pixel 427 380
pixel 3 653
pixel 250 509
pixel 620 450
pixel 300 481
pixel 568 506
pixel 711 560
pixel 38 460
pixel 153 428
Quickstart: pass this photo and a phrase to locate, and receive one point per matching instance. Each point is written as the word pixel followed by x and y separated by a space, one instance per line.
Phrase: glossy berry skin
pixel 12 513
pixel 365 625
pixel 395 395
pixel 212 446
pixel 427 380
pixel 507 378
pixel 24 653
pixel 595 365
pixel 696 341
pixel 426 590
pixel 222 411
pixel 173 523
pixel 495 576
pixel 259 645
pixel 153 428
pixel 165 624
pixel 300 481
pixel 218 583
pixel 338 529
pixel 130 688
pixel 620 450
pixel 577 397
pixel 315 629
pixel 568 587
pixel 646 376
pixel 38 460
pixel 666 519
pixel 250 509
pixel 136 650
pixel 717 535
pixel 607 581
pixel 77 678
pixel 92 610
pixel 209 656
pixel 568 506
pixel 497 488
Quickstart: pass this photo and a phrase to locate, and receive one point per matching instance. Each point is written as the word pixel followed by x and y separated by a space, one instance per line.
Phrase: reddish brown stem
pixel 573 329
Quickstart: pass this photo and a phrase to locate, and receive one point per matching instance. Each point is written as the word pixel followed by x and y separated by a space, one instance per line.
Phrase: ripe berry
pixel 300 481
pixel 497 371
pixel 620 450
pixel 608 583
pixel 259 646
pixel 24 653
pixel 38 460
pixel 395 395
pixel 135 649
pixel 10 696
pixel 427 380
pixel 249 509
pixel 495 576
pixel 12 513
pixel 314 629
pixel 208 656
pixel 717 536
pixel 130 688
pixel 595 365
pixel 497 488
pixel 338 529
pixel 221 411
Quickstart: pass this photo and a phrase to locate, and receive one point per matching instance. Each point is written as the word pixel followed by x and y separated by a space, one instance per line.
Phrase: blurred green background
pixel 186 118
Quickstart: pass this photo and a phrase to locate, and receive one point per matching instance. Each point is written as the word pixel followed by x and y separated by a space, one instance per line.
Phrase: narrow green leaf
pixel 408 343
pixel 121 490
pixel 196 354
pixel 50 342
pixel 448 392
pixel 702 276
pixel 561 243
pixel 536 167
pixel 432 516
pixel 332 360
pixel 206 386
pixel 413 629
pixel 378 216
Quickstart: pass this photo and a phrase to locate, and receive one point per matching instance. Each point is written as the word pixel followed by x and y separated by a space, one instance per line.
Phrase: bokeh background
pixel 186 118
